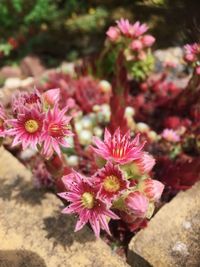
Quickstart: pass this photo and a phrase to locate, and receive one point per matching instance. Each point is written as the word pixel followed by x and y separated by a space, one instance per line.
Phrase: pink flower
pixel 51 97
pixel 117 147
pixel 124 26
pixel 152 188
pixel 148 40
pixel 136 45
pixel 84 202
pixel 131 30
pixel 23 100
pixel 190 57
pixel 26 128
pixel 2 121
pixel 110 182
pixel 139 28
pixel 113 33
pixel 137 203
pixel 191 52
pixel 170 135
pixel 145 163
pixel 55 131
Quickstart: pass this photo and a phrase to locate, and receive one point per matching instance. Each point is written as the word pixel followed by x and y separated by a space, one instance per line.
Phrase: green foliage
pixel 41 12
pixel 17 5
pixel 24 18
pixel 5 49
pixel 95 19
pixel 17 13
pixel 141 69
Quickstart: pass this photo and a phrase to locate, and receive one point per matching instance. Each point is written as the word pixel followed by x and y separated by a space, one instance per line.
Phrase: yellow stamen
pixel 88 200
pixel 31 126
pixel 111 184
pixel 119 152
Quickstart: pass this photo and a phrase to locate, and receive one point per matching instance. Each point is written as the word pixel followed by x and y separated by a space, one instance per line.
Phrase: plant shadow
pixel 21 190
pixel 20 258
pixel 60 228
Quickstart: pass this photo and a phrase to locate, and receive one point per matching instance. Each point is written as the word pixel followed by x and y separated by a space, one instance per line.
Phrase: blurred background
pixel 58 30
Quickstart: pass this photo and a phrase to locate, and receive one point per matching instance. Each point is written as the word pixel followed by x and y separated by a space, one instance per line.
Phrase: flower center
pixel 111 184
pixel 57 130
pixel 119 152
pixel 31 126
pixel 88 200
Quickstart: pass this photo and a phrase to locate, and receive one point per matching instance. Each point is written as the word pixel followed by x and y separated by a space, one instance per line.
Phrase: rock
pixel 32 66
pixel 172 238
pixel 10 72
pixel 34 233
pixel 172 56
pixel 11 83
pixel 29 81
pixel 16 83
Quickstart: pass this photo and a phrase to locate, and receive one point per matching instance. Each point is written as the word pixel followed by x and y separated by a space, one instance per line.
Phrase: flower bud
pixel 145 163
pixel 190 57
pixel 198 70
pixel 113 33
pixel 51 97
pixel 136 45
pixel 105 86
pixel 170 135
pixel 137 203
pixel 152 188
pixel 148 40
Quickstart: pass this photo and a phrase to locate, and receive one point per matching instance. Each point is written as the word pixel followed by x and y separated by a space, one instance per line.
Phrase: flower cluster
pixel 38 122
pixel 133 36
pixel 192 55
pixel 122 187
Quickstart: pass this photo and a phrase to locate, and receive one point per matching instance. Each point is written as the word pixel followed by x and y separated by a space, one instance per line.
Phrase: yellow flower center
pixel 31 126
pixel 119 152
pixel 88 200
pixel 111 184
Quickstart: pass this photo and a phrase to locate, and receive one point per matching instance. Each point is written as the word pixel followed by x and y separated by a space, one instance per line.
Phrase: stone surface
pixel 172 238
pixel 9 71
pixel 12 82
pixel 32 66
pixel 34 233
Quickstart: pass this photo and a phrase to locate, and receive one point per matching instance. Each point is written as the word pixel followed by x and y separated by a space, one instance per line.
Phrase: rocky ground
pixel 34 233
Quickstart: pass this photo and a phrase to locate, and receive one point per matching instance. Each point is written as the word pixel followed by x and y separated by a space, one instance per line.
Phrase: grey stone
pixel 172 238
pixel 34 233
